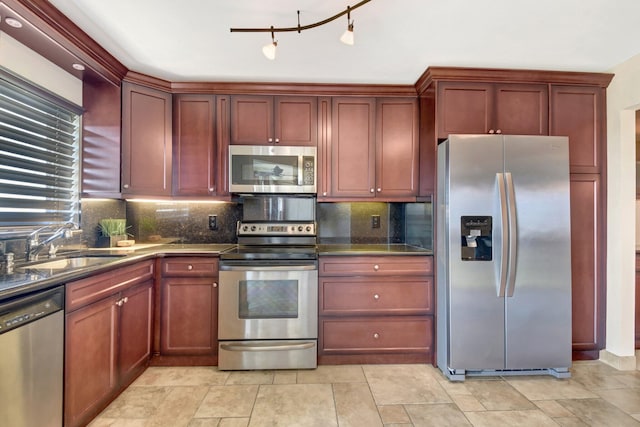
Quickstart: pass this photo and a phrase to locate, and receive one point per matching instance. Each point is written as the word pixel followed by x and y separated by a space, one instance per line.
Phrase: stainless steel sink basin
pixel 69 263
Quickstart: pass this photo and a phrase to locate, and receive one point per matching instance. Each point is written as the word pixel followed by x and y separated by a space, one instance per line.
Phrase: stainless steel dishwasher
pixel 32 359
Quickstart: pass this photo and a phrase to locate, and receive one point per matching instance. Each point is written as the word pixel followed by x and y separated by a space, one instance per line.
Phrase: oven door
pixel 261 300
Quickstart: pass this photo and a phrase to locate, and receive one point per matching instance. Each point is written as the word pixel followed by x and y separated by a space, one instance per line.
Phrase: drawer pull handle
pixel 376 267
pixel 190 267
pixel 376 297
pixel 376 335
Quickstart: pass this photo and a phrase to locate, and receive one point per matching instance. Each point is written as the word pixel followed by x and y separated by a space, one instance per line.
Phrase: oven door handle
pixel 267 347
pixel 262 267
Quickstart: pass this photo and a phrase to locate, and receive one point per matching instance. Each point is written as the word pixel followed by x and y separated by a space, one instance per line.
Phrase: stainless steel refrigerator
pixel 503 256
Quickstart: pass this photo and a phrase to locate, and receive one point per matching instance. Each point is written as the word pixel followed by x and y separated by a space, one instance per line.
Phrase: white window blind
pixel 39 155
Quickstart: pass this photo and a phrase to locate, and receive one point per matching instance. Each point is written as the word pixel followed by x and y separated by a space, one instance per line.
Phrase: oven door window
pixel 268 299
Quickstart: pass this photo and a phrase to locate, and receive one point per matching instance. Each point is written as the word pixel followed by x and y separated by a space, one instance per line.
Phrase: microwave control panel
pixel 308 170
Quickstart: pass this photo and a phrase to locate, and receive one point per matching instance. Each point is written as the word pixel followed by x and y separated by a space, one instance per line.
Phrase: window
pixel 39 155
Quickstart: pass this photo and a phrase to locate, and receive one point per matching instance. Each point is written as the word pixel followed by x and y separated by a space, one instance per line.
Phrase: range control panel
pixel 276 229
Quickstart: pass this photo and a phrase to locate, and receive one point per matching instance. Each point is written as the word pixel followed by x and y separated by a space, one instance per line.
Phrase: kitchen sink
pixel 69 263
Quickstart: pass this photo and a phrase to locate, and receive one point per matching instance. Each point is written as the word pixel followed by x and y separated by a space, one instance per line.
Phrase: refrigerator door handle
pixel 513 235
pixel 504 224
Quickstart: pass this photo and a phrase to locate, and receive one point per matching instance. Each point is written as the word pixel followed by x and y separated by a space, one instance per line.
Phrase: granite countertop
pixel 372 249
pixel 25 279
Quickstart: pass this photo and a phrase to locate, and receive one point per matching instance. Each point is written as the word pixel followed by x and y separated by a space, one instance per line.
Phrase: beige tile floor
pixel 374 395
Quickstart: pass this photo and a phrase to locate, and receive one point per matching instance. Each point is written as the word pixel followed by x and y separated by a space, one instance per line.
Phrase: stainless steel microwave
pixel 272 169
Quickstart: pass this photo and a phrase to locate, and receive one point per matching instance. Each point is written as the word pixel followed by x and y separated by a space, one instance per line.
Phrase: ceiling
pixel 395 40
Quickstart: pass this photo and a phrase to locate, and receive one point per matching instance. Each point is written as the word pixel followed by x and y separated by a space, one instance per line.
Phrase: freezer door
pixel 475 310
pixel 538 314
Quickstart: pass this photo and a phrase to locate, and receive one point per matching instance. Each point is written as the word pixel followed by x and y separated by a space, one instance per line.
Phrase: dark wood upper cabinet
pixel 396 147
pixel 353 147
pixel 146 141
pixel 284 120
pixel 470 107
pixel 101 139
pixel 195 157
pixel 373 149
pixel 579 113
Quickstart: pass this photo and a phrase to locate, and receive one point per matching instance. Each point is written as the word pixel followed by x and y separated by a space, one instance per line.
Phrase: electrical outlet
pixel 375 221
pixel 213 222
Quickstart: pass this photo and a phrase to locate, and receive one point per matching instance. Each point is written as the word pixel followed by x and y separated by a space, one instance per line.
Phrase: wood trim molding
pixel 148 81
pixel 494 75
pixel 315 89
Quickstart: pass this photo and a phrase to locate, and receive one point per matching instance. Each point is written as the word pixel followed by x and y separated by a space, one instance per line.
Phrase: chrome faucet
pixel 34 245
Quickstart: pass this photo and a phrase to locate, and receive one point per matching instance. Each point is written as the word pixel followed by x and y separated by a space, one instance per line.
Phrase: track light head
pixel 269 50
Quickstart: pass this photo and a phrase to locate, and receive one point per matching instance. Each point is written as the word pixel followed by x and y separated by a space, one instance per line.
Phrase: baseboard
pixel 621 363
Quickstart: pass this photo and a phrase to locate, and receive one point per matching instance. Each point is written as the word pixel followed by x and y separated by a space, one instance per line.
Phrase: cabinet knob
pixel 376 267
pixel 277 140
pixel 125 300
pixel 498 131
pixel 211 189
pixel 119 302
pixel 376 296
pixel 379 190
pixel 491 131
pixel 270 140
pixel 189 267
pixel 376 335
pixel 125 186
pixel 372 191
pixel 324 193
pixel 215 285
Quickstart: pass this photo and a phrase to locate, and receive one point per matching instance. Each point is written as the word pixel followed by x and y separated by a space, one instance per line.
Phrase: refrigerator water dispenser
pixel 476 234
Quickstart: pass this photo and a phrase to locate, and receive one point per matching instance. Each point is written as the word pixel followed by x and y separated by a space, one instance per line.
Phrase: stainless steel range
pixel 268 295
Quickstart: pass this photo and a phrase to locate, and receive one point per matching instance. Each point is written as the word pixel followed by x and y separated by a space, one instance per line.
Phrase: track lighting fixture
pixel 270 50
pixel 347 36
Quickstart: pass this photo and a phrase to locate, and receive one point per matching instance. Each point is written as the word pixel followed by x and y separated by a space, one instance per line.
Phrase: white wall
pixel 30 65
pixel 623 98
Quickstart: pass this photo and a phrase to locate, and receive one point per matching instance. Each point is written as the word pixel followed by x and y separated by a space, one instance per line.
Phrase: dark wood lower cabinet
pixel 108 338
pixel 376 309
pixel 587 266
pixel 188 314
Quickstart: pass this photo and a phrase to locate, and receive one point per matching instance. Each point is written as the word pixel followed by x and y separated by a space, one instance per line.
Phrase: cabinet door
pixel 195 160
pixel 90 360
pixel 146 141
pixel 136 326
pixel 579 113
pixel 251 120
pixel 521 109
pixel 397 147
pixel 353 147
pixel 189 321
pixel 463 107
pixel 296 120
pixel 587 264
pixel 101 139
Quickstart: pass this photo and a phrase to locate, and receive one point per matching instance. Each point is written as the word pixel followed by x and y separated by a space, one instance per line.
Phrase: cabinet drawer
pixel 375 265
pixel 85 291
pixel 380 334
pixel 392 295
pixel 190 267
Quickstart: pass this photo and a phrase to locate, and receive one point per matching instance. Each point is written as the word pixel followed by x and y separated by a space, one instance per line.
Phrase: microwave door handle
pixel 300 169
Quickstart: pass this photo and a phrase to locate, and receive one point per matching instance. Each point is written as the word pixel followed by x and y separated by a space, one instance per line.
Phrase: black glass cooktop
pixel 270 252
